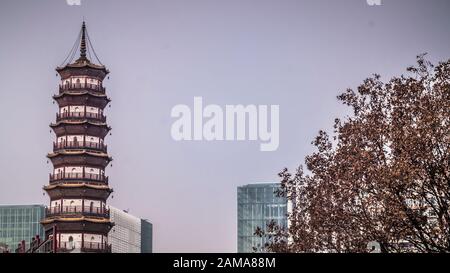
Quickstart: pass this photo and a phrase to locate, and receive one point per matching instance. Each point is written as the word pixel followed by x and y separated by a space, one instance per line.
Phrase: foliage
pixel 382 176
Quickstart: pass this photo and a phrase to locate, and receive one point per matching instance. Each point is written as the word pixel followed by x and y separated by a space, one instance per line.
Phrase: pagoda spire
pixel 83 46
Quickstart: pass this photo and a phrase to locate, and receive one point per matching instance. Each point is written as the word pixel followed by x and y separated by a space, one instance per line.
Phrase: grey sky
pixel 298 54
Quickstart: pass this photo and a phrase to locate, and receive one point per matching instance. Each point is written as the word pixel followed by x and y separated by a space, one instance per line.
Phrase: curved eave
pixel 83 65
pixel 57 96
pixel 83 185
pixel 85 121
pixel 76 219
pixel 83 68
pixel 81 152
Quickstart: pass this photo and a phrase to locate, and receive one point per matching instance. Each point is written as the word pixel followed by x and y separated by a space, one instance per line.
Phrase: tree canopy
pixel 383 174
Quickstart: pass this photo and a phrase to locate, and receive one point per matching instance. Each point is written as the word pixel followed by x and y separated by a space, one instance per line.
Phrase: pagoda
pixel 77 218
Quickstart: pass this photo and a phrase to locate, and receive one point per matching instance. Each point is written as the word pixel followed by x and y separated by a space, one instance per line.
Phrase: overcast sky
pixel 292 53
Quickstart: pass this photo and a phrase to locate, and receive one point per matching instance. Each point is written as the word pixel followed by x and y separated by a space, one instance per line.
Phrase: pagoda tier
pixel 83 144
pixel 80 223
pixel 83 67
pixel 81 157
pixel 79 127
pixel 78 186
pixel 75 232
pixel 80 178
pixel 78 189
pixel 82 97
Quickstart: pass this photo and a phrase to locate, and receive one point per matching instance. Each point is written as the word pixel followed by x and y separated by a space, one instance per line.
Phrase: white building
pixel 129 234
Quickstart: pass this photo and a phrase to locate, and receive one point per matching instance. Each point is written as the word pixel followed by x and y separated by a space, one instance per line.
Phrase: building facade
pixel 20 222
pixel 77 215
pixel 130 234
pixel 258 205
pixel 146 236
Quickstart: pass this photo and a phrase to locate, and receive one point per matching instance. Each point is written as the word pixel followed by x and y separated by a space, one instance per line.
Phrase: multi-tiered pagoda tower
pixel 78 219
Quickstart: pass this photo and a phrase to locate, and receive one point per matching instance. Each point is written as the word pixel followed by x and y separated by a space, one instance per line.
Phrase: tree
pixel 383 175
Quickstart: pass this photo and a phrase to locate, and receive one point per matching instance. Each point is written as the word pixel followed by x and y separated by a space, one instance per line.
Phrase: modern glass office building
pixel 129 234
pixel 258 205
pixel 20 222
pixel 146 236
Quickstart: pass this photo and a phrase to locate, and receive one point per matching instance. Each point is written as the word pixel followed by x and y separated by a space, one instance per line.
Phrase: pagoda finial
pixel 83 42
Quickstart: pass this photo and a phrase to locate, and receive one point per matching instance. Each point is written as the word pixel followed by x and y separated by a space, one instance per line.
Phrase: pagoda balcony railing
pixel 54 178
pixel 83 144
pixel 96 247
pixel 80 115
pixel 85 247
pixel 75 210
pixel 81 86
